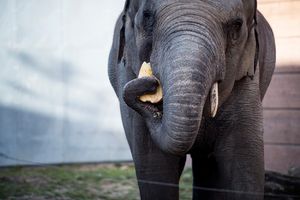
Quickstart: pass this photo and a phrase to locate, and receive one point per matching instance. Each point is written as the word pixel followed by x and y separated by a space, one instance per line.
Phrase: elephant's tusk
pixel 146 70
pixel 214 100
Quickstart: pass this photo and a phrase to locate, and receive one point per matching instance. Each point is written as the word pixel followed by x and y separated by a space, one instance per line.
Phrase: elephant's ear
pixel 117 50
pixel 249 58
pixel 119 35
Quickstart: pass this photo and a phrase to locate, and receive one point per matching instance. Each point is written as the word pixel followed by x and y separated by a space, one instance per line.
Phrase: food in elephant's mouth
pixel 155 97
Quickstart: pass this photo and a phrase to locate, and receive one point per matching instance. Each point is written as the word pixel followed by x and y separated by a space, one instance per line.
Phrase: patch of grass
pixel 185 184
pixel 77 182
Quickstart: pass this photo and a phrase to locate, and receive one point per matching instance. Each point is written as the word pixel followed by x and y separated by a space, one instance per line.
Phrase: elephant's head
pixel 191 45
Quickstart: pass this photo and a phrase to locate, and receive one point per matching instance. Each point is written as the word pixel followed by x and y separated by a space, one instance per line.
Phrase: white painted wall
pixel 56 103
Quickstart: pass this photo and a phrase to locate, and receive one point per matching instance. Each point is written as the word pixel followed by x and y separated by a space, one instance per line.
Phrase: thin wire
pixel 281 144
pixel 3 155
pixel 218 190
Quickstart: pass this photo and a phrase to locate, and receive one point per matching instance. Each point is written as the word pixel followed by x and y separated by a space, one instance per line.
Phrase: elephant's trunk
pixel 188 76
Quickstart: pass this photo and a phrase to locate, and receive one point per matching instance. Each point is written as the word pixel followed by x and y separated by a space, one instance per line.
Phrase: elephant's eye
pixel 144 21
pixel 148 21
pixel 234 29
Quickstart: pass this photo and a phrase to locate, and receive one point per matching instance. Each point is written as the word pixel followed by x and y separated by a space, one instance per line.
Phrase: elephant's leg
pixel 158 173
pixel 239 146
pixel 204 177
pixel 240 164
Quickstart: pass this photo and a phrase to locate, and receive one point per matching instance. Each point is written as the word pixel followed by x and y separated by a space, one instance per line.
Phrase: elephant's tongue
pixel 214 99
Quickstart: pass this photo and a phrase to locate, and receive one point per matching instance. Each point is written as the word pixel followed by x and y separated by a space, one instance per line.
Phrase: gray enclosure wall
pixel 56 103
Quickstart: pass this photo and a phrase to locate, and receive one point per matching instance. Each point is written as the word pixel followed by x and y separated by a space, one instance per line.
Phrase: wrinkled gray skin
pixel 192 44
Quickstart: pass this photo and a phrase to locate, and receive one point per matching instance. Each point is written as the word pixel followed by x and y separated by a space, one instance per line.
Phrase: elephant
pixel 214 60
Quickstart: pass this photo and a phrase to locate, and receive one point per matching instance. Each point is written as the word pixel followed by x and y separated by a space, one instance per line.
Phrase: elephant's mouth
pixel 155 108
pixel 151 102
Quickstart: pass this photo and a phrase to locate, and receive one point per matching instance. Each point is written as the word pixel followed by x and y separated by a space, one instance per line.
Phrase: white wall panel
pixel 56 103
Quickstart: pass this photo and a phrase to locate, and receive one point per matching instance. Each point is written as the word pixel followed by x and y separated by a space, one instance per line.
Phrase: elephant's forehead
pixel 222 9
pixel 227 4
pixel 226 7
